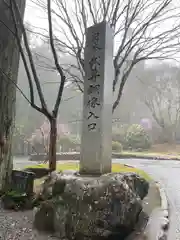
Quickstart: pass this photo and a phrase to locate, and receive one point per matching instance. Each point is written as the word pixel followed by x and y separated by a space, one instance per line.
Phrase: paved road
pixel 166 172
pixel 22 162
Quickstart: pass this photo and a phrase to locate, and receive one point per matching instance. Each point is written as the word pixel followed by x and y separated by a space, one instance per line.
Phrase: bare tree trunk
pixel 9 64
pixel 52 144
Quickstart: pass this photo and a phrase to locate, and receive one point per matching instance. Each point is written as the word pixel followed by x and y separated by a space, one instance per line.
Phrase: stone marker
pixel 96 140
pixel 21 191
pixel 22 182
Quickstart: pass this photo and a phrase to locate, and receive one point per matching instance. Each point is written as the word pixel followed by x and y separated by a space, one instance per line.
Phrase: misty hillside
pixel 133 107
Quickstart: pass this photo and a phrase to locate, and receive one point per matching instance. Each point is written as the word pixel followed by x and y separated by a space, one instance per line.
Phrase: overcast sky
pixel 38 19
pixel 33 15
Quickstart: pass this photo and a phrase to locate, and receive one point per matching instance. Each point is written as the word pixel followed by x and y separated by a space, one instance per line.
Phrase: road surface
pixel 166 172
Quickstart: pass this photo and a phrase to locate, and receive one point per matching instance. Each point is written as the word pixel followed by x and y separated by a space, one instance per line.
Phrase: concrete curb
pixel 155 226
pixel 164 201
pixel 76 156
pixel 165 210
pixel 158 223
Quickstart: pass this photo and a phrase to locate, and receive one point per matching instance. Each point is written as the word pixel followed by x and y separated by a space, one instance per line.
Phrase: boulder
pixel 93 207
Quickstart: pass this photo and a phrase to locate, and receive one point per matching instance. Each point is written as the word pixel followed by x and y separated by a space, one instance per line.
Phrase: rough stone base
pixel 80 207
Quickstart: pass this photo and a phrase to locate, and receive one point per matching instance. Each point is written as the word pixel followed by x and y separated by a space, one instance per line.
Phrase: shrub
pixel 116 146
pixel 137 138
pixel 119 133
pixel 69 143
pixel 75 144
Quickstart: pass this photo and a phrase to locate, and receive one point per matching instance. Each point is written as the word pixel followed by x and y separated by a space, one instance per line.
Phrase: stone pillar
pixel 96 139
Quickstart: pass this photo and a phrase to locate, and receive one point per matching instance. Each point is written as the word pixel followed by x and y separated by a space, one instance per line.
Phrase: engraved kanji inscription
pixel 93 89
pixel 93 102
pixel 94 76
pixel 95 40
pixel 92 115
pixel 94 64
pixel 91 126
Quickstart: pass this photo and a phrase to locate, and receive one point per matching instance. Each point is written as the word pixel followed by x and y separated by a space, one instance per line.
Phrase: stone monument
pixel 92 204
pixel 96 140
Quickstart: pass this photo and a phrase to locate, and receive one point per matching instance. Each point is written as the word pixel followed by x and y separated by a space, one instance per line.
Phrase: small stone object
pixel 22 182
pixel 165 223
pixel 20 194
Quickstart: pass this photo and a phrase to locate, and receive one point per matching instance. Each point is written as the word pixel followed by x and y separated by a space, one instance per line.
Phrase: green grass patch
pixel 115 168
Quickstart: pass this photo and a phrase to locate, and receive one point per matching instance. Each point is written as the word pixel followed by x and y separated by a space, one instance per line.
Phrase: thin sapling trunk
pixel 52 144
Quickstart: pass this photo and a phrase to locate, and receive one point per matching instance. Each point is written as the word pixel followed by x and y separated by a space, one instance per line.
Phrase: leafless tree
pixel 142 31
pixel 161 88
pixel 33 79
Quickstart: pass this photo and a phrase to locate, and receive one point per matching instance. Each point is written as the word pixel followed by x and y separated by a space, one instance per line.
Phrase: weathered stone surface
pixel 91 207
pixel 45 190
pixel 44 217
pixel 137 184
pixel 96 139
pixel 54 184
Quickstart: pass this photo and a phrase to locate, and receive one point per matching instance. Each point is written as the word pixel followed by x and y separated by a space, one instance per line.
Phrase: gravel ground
pixel 18 226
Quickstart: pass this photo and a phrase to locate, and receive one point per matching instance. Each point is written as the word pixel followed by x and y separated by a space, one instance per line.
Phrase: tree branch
pixel 14 7
pixel 138 33
pixel 63 78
